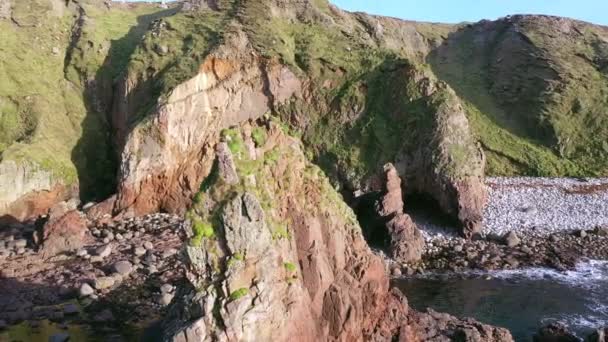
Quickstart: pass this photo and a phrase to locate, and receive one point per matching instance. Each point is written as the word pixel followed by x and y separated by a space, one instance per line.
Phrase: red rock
pixel 63 232
pixel 407 242
pixel 101 210
pixel 35 204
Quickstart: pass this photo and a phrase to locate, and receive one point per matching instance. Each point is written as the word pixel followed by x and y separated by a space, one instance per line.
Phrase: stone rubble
pixel 84 280
pixel 534 206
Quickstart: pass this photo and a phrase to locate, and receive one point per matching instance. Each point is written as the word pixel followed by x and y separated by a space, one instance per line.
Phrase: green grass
pixel 549 120
pixel 290 267
pixel 280 232
pixel 235 141
pixel 238 294
pixel 259 136
pixel 188 38
pixel 202 230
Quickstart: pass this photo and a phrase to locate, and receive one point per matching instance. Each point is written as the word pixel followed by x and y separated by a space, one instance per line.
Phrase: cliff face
pixel 363 90
pixel 340 79
pixel 247 115
pixel 164 158
pixel 277 256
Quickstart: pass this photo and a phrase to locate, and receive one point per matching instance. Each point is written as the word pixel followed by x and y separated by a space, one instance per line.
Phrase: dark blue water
pixel 520 301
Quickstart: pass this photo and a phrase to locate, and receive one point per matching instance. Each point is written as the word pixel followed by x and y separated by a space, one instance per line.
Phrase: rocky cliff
pixel 272 242
pixel 246 116
pixel 362 90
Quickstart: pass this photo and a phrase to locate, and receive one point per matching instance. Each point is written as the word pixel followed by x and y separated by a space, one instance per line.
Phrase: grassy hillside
pixel 537 90
pixel 52 61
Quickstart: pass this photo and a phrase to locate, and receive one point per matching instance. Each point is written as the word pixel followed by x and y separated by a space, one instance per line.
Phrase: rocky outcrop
pixel 554 332
pixel 27 191
pixel 449 166
pixel 225 164
pixel 65 231
pixel 287 261
pixel 435 326
pixel 164 158
pixel 407 242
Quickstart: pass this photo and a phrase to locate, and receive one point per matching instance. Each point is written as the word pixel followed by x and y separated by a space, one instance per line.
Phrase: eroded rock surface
pixel 407 242
pixel 65 231
pixel 289 253
pixel 163 170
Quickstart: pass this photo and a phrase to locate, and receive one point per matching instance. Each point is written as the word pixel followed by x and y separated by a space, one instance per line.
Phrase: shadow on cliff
pixel 96 153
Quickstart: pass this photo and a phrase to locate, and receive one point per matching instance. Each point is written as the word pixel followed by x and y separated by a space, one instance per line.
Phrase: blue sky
pixel 454 11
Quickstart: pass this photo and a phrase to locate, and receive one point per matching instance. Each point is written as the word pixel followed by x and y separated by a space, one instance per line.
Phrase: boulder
pixel 407 242
pixel 104 251
pixel 554 332
pixel 101 283
pixel 86 290
pixel 100 210
pixel 511 239
pixel 123 267
pixel 601 231
pixel 65 231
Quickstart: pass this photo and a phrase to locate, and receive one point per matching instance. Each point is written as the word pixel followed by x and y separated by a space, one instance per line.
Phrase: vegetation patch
pixel 238 294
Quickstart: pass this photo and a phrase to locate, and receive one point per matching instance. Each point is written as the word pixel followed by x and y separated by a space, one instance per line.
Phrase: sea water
pixel 519 300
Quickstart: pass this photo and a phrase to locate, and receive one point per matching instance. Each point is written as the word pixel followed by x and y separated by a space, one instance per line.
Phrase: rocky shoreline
pixel 139 257
pixel 120 280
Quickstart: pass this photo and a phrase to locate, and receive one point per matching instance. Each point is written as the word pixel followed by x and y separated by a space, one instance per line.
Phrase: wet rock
pixel 70 309
pixel 104 316
pixel 86 290
pixel 554 332
pixel 511 239
pixel 59 337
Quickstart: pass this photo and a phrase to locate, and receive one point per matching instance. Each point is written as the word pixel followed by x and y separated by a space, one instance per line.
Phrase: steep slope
pixel 348 84
pixel 57 63
pixel 276 255
pixel 536 89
